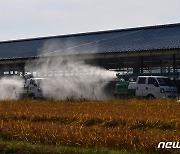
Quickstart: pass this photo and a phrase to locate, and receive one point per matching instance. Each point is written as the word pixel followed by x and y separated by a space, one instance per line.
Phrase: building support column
pixel 142 63
pixel 136 68
pixel 174 63
pixel 1 71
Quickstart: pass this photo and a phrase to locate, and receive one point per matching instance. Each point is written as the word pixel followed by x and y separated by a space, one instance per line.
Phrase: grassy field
pixel 116 126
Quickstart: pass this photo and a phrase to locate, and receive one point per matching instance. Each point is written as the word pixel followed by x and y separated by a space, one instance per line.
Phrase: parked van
pixel 155 87
pixel 149 87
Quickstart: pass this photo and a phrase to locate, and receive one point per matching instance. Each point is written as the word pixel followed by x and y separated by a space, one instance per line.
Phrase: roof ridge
pixel 95 32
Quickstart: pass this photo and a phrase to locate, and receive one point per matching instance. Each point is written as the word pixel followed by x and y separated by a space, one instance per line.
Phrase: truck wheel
pixel 32 96
pixel 150 96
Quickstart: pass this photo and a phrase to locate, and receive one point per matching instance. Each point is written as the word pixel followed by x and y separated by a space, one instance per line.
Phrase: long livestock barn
pixel 152 49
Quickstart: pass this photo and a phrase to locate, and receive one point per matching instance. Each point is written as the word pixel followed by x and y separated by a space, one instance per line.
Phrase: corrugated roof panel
pixel 137 39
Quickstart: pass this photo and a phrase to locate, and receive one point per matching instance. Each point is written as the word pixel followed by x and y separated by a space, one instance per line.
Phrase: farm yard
pixel 114 126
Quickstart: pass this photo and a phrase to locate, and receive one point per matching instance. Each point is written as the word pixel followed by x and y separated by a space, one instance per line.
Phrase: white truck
pixel 32 88
pixel 149 87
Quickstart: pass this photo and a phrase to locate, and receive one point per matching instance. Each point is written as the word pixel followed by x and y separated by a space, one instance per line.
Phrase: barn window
pixel 11 72
pixel 6 72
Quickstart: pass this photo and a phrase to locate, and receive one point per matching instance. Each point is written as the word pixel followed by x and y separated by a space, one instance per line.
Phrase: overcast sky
pixel 35 18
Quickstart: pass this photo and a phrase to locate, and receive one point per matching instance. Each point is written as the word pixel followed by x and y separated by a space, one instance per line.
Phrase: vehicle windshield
pixel 165 82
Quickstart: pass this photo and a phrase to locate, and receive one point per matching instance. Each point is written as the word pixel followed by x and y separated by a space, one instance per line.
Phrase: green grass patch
pixel 13 146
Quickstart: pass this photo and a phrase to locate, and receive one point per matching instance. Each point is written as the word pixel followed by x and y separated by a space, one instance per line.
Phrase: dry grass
pixel 136 125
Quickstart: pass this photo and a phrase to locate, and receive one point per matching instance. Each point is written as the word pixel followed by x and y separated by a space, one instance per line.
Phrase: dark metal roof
pixel 123 40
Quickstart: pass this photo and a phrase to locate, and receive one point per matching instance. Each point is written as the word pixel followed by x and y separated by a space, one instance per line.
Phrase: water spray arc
pixel 65 77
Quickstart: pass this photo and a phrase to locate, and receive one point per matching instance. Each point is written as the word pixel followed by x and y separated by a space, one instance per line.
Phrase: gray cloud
pixel 33 18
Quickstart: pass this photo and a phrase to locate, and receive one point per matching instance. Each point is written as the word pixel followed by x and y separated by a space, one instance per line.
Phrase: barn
pixel 151 49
